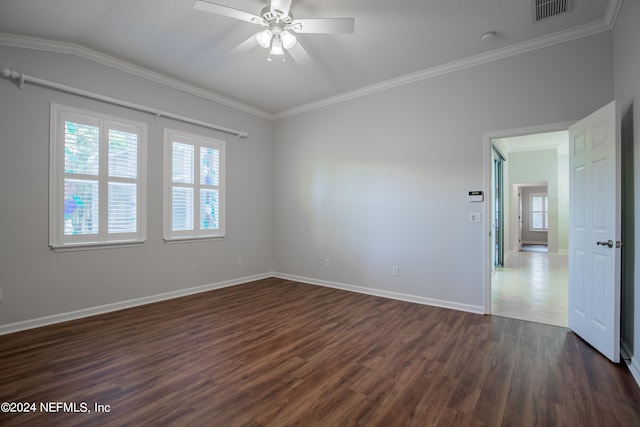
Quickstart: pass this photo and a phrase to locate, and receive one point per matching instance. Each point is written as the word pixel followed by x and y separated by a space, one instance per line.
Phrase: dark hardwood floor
pixel 277 353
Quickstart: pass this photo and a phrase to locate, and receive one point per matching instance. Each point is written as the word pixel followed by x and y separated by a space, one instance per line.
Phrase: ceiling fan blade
pixel 227 11
pixel 282 6
pixel 323 26
pixel 245 46
pixel 299 54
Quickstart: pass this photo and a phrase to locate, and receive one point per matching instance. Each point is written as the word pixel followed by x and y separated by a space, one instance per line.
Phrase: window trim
pixel 197 140
pixel 58 241
pixel 545 209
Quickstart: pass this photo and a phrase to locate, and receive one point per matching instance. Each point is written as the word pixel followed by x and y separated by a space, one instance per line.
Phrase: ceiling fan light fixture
pixel 264 38
pixel 276 46
pixel 279 29
pixel 288 40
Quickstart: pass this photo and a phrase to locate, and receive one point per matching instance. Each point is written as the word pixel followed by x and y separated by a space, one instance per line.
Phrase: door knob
pixel 608 243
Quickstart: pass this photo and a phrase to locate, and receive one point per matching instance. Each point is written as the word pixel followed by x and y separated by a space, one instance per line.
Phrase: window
pixel 97 179
pixel 539 207
pixel 194 186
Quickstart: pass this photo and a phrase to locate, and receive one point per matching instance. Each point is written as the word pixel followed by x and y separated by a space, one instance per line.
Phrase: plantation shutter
pixel 96 179
pixel 194 186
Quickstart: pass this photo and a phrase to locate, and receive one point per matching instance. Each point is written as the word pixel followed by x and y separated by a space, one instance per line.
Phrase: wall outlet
pixel 239 260
pixel 327 262
pixel 395 270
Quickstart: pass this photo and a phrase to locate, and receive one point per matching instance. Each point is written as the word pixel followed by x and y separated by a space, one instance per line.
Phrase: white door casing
pixel 594 226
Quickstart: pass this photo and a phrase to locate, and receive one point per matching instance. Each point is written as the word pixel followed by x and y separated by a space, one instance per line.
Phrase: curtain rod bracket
pixel 8 74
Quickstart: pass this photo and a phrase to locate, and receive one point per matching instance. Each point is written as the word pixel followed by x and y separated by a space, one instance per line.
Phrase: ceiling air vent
pixel 543 9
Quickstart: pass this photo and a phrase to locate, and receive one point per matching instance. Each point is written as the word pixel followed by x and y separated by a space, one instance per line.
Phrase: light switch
pixel 474 217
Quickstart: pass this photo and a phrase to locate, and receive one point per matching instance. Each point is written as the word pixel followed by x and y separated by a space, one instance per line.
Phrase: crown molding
pixel 101 58
pixel 605 24
pixel 612 12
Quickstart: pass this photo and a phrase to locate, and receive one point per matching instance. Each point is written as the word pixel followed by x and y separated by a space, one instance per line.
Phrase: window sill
pixel 75 247
pixel 191 239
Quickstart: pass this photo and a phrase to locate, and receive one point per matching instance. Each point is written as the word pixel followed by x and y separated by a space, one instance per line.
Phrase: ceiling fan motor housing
pixel 270 16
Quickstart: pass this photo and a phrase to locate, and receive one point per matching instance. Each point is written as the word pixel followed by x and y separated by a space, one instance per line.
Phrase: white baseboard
pixel 632 364
pixel 92 311
pixel 385 294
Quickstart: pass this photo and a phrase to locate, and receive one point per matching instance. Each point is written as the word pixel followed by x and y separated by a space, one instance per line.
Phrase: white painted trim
pixel 384 294
pixel 107 308
pixel 612 12
pixel 101 58
pixel 632 364
pixel 60 241
pixel 101 309
pixel 509 133
pixel 488 137
pixel 198 142
pixel 605 24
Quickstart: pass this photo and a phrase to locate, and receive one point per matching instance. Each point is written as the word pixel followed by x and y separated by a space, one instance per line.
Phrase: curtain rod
pixel 24 78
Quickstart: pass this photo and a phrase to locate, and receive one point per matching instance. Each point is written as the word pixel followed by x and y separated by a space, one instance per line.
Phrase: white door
pixel 594 231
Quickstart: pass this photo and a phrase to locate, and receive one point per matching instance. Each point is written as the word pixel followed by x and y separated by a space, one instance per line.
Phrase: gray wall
pixel 366 184
pixel 37 282
pixel 383 180
pixel 626 49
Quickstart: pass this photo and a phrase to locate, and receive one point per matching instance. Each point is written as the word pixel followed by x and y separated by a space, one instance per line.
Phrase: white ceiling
pixel 394 41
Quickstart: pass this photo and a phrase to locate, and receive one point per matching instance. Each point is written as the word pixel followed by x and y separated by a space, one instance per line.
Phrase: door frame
pixel 497 208
pixel 488 164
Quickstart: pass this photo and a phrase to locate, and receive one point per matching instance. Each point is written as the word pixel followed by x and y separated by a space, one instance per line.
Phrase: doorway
pixel 529 226
pixel 532 216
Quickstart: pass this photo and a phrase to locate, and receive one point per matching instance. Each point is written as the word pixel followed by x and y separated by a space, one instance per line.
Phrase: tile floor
pixel 532 286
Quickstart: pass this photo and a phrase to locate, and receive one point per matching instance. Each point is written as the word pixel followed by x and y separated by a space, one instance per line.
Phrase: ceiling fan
pixel 278 28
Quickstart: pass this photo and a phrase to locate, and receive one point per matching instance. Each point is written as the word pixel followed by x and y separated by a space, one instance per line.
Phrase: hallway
pixel 532 286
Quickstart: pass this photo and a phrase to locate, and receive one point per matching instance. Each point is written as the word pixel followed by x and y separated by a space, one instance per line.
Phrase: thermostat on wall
pixel 476 196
